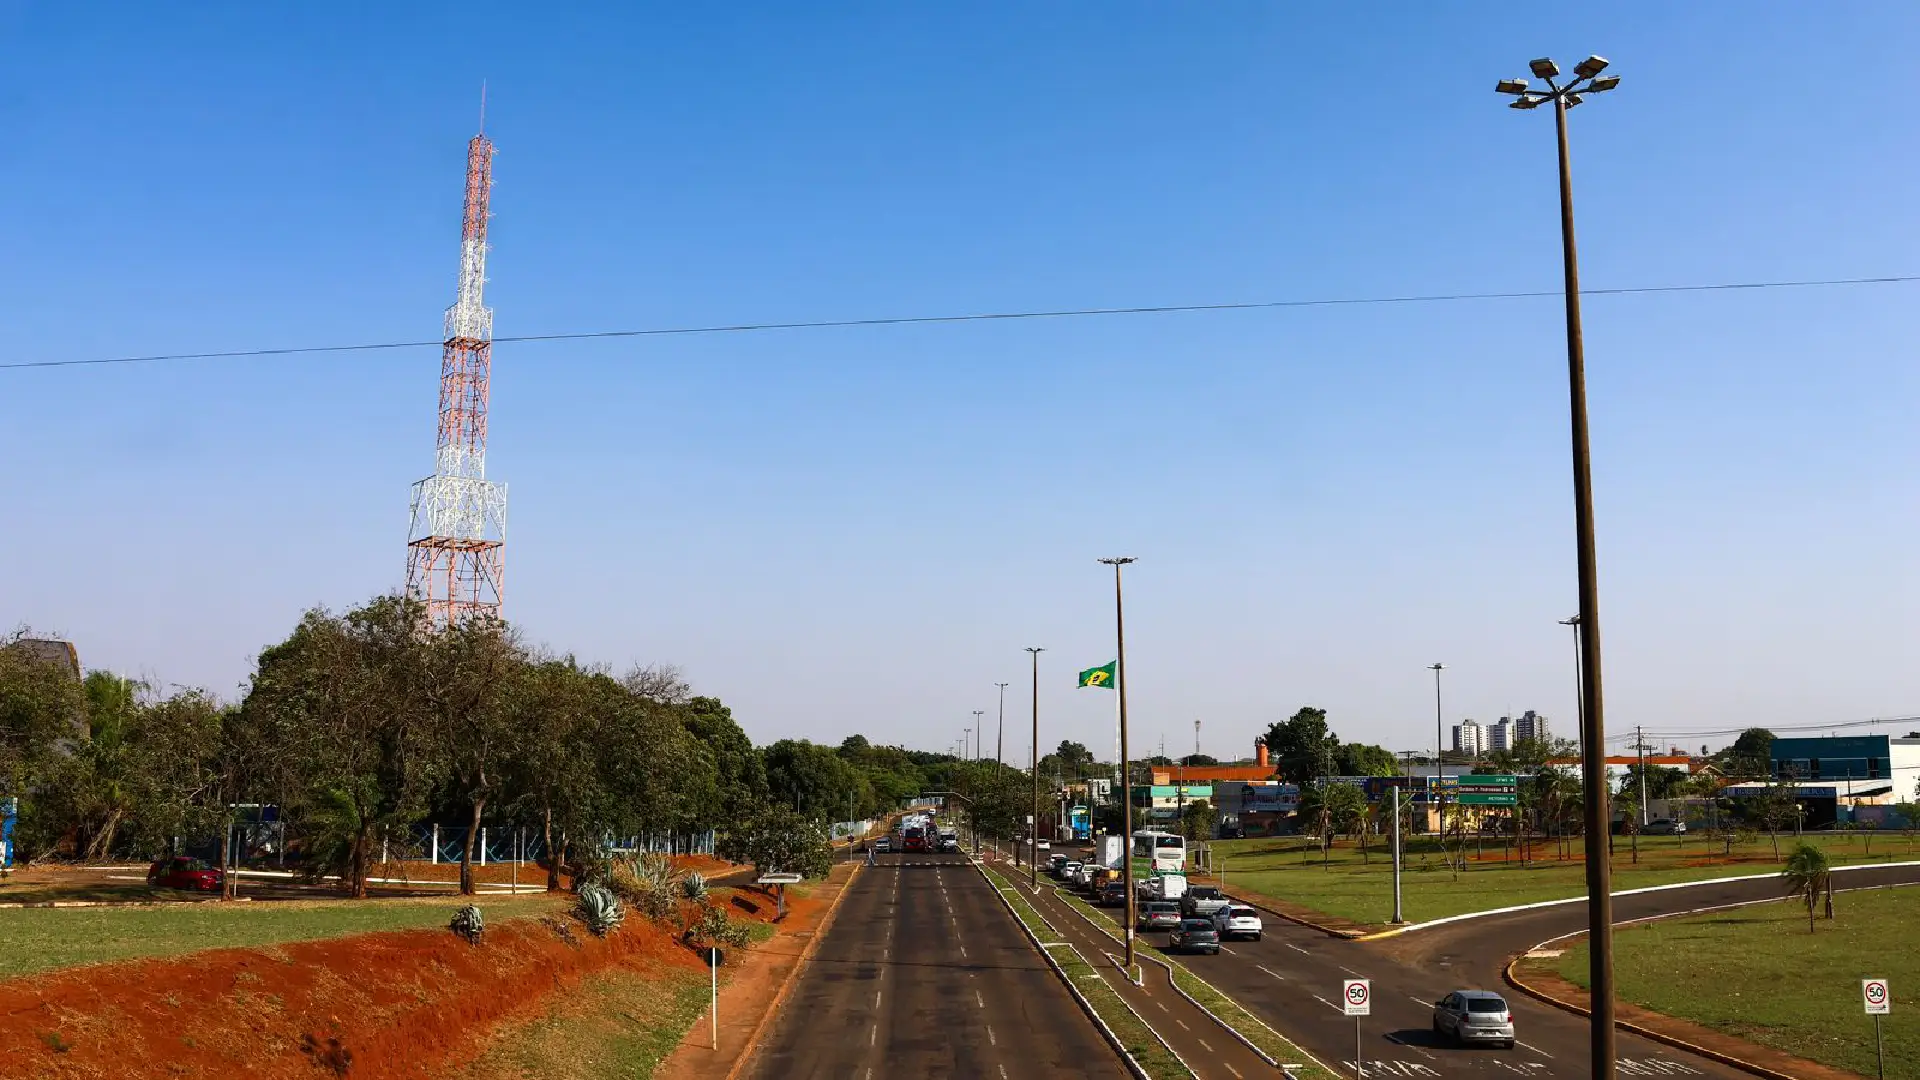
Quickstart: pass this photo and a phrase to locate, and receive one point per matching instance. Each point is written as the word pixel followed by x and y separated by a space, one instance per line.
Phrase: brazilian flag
pixel 1100 676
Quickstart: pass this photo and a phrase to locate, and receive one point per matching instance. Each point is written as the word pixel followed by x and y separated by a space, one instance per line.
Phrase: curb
pixel 1086 1006
pixel 780 995
pixel 1513 980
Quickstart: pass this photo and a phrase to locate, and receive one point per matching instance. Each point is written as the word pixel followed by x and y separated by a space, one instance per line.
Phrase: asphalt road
pixel 923 974
pixel 1292 978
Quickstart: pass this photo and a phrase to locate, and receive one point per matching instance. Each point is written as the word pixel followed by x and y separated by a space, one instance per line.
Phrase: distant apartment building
pixel 1500 735
pixel 1531 725
pixel 1469 738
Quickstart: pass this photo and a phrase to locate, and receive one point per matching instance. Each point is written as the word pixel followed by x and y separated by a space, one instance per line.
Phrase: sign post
pixel 1397 919
pixel 1357 996
pixel 1879 1002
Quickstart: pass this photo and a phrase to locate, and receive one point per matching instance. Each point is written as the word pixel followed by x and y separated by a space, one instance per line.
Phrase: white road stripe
pixel 874 1035
pixel 1182 1023
pixel 978 1000
pixel 991 1041
pixel 1231 1069
pixel 1349 971
pixel 1297 949
pixel 876 999
pixel 1536 1050
pixel 1271 972
pixel 1328 1004
pixel 1417 1001
pixel 1204 1046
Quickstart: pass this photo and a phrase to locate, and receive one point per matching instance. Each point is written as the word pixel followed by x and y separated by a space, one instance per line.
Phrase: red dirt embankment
pixel 386 1006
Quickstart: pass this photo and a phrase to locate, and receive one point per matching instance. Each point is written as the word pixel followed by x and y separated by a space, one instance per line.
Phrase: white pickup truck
pixel 1202 901
pixel 1163 887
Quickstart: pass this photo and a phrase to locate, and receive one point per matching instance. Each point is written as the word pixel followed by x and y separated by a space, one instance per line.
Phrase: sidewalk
pixel 1207 1047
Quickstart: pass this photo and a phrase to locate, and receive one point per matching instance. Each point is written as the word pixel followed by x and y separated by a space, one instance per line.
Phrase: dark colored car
pixel 1194 935
pixel 1158 915
pixel 181 872
pixel 1112 894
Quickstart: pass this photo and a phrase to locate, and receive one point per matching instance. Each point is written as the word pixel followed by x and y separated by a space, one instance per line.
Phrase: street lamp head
pixel 1119 560
pixel 1524 103
pixel 1572 100
pixel 1437 667
pixel 1544 68
pixel 1603 84
pixel 1591 66
pixel 1510 86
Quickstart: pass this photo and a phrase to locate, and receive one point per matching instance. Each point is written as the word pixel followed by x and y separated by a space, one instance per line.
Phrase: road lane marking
pixel 1163 1006
pixel 1182 1023
pixel 876 999
pixel 978 1000
pixel 1328 1004
pixel 1418 1001
pixel 1271 972
pixel 1298 949
pixel 1003 1072
pixel 874 1035
pixel 1349 971
pixel 1536 1050
pixel 1231 1069
pixel 991 1041
pixel 1204 1046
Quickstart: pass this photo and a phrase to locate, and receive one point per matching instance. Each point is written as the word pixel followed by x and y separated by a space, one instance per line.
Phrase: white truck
pixel 1163 887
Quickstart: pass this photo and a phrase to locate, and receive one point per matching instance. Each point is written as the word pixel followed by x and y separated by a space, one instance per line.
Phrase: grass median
pixel 42 939
pixel 617 1023
pixel 1132 1032
pixel 1757 974
pixel 1357 886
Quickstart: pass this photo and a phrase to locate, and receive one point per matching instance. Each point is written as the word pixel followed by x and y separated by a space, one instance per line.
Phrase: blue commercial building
pixel 1844 777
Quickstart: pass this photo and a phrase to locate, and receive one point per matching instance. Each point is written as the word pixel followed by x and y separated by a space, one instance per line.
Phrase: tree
pixel 1196 820
pixel 1750 756
pixel 1808 875
pixel 742 775
pixel 42 714
pixel 1776 806
pixel 471 669
pixel 1364 759
pixel 777 839
pixel 811 779
pixel 1199 760
pixel 1301 746
pixel 1909 812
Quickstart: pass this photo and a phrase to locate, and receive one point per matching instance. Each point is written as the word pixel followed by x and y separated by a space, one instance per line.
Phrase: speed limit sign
pixel 1357 994
pixel 1873 994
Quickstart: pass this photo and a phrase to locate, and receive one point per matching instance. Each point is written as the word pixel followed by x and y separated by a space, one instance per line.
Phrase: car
pixel 1066 870
pixel 1469 1016
pixel 1194 935
pixel 1042 845
pixel 1665 827
pixel 1083 875
pixel 1157 915
pixel 883 844
pixel 182 872
pixel 1237 921
pixel 1057 860
pixel 1112 894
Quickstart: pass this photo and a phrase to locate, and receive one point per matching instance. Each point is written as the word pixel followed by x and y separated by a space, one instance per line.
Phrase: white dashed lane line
pixel 1271 972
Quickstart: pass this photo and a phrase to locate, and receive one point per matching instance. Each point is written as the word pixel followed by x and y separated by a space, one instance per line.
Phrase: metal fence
pixel 507 843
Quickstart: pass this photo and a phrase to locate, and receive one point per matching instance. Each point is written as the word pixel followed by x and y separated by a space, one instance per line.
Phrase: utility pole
pixel 1126 795
pixel 1196 738
pixel 1587 80
pixel 1033 755
pixel 1640 748
pixel 1439 764
pixel 1000 740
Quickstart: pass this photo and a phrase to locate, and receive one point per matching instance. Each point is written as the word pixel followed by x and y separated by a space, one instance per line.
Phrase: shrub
pixel 646 881
pixel 599 909
pixel 468 924
pixel 714 926
pixel 694 886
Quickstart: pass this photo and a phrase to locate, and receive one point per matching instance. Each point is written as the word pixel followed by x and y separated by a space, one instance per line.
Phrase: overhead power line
pixel 917 320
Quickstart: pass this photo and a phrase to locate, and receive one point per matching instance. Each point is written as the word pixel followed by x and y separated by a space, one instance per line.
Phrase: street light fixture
pixel 1592 719
pixel 1033 765
pixel 1126 781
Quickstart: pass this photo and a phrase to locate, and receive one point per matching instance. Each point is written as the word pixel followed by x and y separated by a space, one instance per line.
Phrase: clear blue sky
pixel 860 529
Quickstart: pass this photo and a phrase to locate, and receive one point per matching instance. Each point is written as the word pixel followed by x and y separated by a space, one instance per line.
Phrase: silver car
pixel 1473 1016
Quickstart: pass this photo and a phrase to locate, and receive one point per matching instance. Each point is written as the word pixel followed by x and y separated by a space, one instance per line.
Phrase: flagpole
pixel 1126 796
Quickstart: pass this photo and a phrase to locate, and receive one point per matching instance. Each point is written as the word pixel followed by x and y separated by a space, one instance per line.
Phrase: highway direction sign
pixel 1357 995
pixel 1874 995
pixel 1487 791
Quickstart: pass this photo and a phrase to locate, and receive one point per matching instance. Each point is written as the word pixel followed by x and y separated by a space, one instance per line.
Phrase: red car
pixel 181 872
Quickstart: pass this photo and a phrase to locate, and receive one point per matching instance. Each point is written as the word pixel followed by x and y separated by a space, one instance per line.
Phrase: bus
pixel 914 838
pixel 1080 823
pixel 1161 852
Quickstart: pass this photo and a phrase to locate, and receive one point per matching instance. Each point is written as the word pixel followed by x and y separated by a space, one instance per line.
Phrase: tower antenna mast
pixel 456 560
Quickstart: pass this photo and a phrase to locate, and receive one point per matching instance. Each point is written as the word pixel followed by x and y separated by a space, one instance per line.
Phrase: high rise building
pixel 1469 738
pixel 1531 725
pixel 1501 735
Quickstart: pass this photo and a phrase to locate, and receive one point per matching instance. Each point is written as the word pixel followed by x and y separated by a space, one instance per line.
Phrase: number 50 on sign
pixel 1873 994
pixel 1357 995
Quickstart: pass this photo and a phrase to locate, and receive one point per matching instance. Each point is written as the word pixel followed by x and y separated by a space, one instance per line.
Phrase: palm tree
pixel 1808 875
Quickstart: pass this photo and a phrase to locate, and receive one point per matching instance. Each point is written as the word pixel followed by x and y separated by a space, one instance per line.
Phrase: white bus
pixel 1162 852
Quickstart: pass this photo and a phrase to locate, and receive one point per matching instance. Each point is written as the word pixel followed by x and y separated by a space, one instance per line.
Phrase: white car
pixel 1237 921
pixel 1042 845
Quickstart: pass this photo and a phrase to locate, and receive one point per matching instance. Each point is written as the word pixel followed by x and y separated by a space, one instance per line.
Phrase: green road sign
pixel 1488 791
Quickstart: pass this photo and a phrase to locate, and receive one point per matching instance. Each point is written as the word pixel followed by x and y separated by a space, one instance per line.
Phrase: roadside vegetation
pixel 616 1023
pixel 1758 974
pixel 42 939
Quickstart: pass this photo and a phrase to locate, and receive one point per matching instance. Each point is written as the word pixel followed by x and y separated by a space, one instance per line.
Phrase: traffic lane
pixel 823 1025
pixel 1033 1024
pixel 1292 979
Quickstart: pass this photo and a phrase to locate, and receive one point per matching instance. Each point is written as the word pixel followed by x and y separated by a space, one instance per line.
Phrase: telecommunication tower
pixel 456 560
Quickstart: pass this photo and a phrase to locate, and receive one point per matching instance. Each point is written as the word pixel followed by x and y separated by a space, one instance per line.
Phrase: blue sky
pixel 861 529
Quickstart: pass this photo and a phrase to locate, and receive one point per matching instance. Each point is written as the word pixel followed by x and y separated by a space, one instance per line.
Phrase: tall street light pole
pixel 1580 707
pixel 1033 766
pixel 1126 788
pixel 1000 739
pixel 1439 762
pixel 1586 80
pixel 979 736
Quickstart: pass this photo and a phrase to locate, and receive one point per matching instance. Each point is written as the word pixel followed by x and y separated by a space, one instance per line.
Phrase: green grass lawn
pixel 41 939
pixel 1361 888
pixel 617 1023
pixel 1756 973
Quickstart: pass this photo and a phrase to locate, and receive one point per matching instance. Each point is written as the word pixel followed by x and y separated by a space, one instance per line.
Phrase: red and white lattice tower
pixel 456 559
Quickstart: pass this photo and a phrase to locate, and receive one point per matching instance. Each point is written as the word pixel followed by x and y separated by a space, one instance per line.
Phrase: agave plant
pixel 468 923
pixel 599 909
pixel 694 886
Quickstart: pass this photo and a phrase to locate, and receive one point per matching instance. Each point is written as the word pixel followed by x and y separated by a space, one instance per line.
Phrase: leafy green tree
pixel 1365 759
pixel 42 715
pixel 1807 874
pixel 742 776
pixel 1196 820
pixel 814 780
pixel 1302 747
pixel 1199 760
pixel 1750 755
pixel 471 669
pixel 776 838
